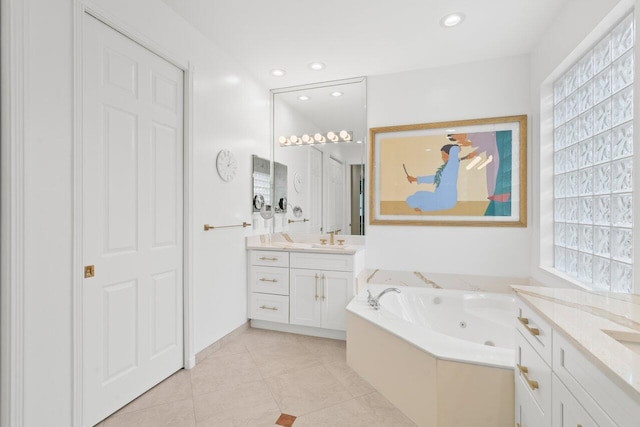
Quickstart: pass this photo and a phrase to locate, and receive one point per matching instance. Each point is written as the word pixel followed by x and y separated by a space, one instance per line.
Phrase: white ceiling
pixel 364 37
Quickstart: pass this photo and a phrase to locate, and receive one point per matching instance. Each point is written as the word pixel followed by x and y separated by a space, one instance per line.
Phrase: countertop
pixel 584 316
pixel 348 248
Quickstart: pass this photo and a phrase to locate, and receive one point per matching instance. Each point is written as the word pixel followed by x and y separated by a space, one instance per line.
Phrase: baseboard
pixel 207 351
pixel 301 330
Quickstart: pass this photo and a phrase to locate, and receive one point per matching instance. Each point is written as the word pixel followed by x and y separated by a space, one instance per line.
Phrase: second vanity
pixel 577 358
pixel 299 284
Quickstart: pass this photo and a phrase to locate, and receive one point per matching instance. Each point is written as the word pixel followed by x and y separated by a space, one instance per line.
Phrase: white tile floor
pixel 256 377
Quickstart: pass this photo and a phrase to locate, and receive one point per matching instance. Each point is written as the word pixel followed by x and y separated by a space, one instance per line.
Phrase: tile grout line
pixel 265 381
pixel 193 400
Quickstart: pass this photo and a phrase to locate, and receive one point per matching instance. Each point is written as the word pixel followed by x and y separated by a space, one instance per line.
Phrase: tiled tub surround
pixel 448 355
pixel 585 346
pixel 425 279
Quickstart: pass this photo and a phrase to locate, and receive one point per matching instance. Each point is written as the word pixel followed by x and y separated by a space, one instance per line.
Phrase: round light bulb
pixel 345 136
pixel 319 137
pixel 293 139
pixel 282 140
pixel 307 139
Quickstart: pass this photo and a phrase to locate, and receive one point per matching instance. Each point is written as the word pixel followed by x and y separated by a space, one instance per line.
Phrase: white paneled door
pixel 132 142
pixel 335 196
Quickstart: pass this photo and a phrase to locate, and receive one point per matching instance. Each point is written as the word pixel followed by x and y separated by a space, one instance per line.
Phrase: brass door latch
pixel 89 271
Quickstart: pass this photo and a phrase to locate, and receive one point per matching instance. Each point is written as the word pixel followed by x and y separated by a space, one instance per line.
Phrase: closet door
pixel 132 328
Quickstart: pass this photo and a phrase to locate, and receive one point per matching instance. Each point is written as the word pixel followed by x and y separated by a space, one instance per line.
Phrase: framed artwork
pixel 459 173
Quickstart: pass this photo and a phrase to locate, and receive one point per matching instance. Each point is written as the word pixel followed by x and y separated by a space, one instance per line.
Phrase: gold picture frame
pixel 457 173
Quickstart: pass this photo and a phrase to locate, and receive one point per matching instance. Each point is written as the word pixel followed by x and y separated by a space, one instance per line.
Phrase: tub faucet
pixel 375 301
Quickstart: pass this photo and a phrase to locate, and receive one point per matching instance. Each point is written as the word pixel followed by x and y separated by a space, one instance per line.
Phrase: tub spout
pixel 375 301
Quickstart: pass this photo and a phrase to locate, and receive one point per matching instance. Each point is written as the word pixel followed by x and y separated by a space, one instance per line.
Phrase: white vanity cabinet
pixel 319 297
pixel 318 288
pixel 557 385
pixel 269 286
pixel 321 285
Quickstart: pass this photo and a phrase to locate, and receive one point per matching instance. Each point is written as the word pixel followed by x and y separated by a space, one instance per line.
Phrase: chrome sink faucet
pixel 375 301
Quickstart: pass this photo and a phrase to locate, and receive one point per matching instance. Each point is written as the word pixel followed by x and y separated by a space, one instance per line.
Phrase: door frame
pixel 12 266
pixel 187 68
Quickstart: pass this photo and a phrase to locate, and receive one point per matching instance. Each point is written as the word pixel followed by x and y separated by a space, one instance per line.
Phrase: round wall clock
pixel 297 182
pixel 226 165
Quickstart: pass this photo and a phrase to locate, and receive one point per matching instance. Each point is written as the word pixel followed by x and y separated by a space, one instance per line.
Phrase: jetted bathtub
pixel 443 357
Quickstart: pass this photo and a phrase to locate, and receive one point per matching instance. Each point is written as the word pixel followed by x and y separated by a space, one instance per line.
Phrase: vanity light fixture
pixel 317 138
pixel 452 19
pixel 317 66
pixel 336 94
pixel 304 98
pixel 277 72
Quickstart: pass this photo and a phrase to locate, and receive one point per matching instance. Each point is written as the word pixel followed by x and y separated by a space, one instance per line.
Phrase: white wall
pixel 230 111
pixel 577 27
pixel 469 91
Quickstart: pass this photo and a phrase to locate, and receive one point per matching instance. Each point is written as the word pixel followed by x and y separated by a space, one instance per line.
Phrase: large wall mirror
pixel 320 134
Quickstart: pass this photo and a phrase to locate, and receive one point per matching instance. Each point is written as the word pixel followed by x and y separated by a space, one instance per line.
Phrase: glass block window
pixel 593 164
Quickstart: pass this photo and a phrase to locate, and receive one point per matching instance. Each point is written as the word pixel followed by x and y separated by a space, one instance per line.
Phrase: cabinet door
pixel 336 292
pixel 304 297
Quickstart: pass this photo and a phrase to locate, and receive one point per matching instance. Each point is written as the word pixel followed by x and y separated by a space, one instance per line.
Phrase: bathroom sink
pixel 631 340
pixel 291 245
pixel 329 247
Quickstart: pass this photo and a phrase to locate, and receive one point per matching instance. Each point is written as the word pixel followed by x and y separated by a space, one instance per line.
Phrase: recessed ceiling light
pixel 452 19
pixel 277 72
pixel 304 98
pixel 336 93
pixel 317 66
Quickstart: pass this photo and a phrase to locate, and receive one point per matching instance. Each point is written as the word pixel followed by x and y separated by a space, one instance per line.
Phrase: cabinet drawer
pixel 317 261
pixel 274 308
pixel 535 329
pixel 567 412
pixel 590 385
pixel 534 375
pixel 272 258
pixel 528 414
pixel 269 280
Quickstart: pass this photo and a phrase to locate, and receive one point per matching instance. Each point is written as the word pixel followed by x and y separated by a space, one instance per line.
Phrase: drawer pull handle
pixel 525 323
pixel 268 280
pixel 266 258
pixel 316 286
pixel 525 373
pixel 264 307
